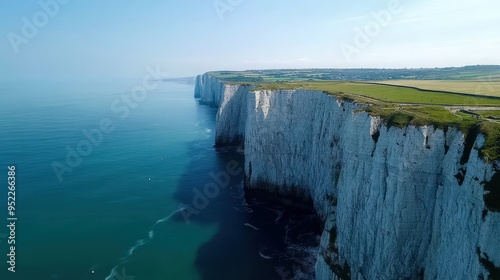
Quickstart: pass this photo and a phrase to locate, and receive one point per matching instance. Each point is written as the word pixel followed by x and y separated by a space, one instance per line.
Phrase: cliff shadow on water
pixel 254 240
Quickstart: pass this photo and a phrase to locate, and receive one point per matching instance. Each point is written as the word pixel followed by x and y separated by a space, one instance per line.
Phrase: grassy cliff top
pixel 471 104
pixel 388 93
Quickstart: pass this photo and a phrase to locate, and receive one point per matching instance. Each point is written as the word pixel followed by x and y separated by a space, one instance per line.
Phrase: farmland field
pixel 490 86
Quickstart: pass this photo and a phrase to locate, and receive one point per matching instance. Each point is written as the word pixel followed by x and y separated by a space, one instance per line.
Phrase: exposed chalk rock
pixel 398 203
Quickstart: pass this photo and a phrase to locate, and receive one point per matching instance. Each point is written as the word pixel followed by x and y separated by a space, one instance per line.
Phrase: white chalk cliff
pixel 398 203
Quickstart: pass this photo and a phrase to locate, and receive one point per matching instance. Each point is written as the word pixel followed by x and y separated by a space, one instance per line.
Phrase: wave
pixel 266 253
pixel 279 215
pixel 251 226
pixel 264 256
pixel 141 242
pixel 301 248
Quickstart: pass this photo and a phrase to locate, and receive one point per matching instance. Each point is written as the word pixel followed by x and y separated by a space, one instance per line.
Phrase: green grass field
pixel 490 113
pixel 489 86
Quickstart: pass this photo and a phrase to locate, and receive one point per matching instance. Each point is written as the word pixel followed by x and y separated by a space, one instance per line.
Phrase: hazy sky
pixel 100 39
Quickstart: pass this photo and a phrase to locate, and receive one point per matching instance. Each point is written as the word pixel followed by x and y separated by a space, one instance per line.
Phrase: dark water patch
pixel 222 141
pixel 209 104
pixel 254 240
pixel 296 196
pixel 289 238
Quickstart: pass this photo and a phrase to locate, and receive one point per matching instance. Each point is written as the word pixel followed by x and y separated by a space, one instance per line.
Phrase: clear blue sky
pixel 96 39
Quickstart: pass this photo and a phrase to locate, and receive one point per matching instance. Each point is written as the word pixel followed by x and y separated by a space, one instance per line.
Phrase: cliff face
pixel 397 202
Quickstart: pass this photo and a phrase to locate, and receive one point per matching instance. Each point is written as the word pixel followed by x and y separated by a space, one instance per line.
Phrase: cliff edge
pixel 397 203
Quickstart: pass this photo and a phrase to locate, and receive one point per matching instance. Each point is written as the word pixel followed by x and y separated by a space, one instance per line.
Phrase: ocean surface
pixel 146 196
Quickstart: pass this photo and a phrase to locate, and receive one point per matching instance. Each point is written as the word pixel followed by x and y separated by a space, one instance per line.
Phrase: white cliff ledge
pixel 398 203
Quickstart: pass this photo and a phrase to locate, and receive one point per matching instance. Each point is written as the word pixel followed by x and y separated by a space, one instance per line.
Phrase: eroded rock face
pixel 397 202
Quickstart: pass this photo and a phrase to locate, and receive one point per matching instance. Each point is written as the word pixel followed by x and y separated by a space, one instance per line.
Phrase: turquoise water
pixel 118 213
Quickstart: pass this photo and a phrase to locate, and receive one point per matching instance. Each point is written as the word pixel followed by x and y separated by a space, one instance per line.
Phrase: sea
pixel 111 185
